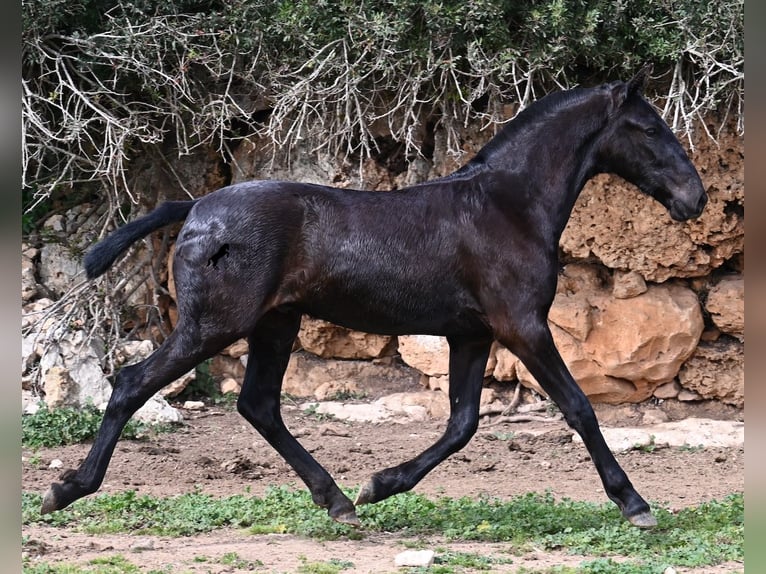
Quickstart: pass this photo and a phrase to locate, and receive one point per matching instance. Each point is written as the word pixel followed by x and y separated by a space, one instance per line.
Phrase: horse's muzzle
pixel 682 211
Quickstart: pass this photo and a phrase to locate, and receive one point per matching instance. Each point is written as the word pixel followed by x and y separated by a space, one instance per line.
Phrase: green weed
pixel 116 564
pixel 472 560
pixel 710 533
pixel 312 410
pixel 332 566
pixel 67 425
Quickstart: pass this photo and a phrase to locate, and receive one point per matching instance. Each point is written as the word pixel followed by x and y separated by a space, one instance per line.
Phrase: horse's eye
pixel 650 132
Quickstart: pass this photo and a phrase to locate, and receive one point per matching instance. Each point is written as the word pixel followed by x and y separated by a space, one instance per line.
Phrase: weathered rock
pixel 418 405
pixel 55 223
pixel 362 412
pixel 229 385
pixel 29 288
pixel 157 411
pixel 71 373
pixel 254 160
pixel 306 373
pixel 179 385
pixel 414 559
pixel 58 268
pixel 726 305
pixel 426 353
pixel 633 346
pixel 572 313
pixel 223 366
pixel 36 315
pixel 330 390
pixel 395 407
pixel 685 395
pixel 236 350
pixel 624 229
pixel 691 432
pixel 589 374
pixel 628 284
pixel 440 383
pixel 131 352
pixel 430 355
pixel 60 390
pixel 81 357
pixel 668 390
pixel 333 342
pixel 505 365
pixel 647 337
pixel 716 371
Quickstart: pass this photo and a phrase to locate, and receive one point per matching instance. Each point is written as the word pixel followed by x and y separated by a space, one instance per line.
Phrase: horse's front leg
pixel 259 402
pixel 467 361
pixel 538 352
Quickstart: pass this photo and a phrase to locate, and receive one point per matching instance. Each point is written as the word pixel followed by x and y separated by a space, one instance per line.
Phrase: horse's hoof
pixel 49 502
pixel 366 494
pixel 643 520
pixel 349 518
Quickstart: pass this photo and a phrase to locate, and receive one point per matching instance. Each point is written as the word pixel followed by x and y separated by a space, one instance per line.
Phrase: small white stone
pixel 194 405
pixel 414 558
pixel 55 463
pixel 669 570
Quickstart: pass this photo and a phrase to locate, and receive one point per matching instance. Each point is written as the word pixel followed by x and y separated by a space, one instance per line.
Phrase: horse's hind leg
pixel 540 356
pixel 259 402
pixel 133 386
pixel 467 362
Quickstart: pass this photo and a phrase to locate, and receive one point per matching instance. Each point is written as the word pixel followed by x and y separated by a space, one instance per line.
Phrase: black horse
pixel 472 257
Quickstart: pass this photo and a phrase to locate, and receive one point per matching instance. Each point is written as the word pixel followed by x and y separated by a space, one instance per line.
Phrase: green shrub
pixel 67 425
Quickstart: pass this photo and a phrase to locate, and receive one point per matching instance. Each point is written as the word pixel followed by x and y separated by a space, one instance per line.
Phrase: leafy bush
pixel 103 81
pixel 66 425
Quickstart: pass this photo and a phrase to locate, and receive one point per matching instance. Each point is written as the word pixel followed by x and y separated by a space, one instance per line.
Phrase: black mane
pixel 546 108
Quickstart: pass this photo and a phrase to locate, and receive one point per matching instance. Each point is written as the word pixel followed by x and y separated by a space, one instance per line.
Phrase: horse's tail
pixel 105 252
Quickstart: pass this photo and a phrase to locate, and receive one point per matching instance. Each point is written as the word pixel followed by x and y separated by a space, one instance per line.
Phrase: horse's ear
pixel 637 84
pixel 621 91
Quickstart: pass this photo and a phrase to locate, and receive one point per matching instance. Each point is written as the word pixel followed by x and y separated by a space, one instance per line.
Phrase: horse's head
pixel 638 146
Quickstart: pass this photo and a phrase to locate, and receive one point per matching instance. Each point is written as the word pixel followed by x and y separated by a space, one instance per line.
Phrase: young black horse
pixel 472 257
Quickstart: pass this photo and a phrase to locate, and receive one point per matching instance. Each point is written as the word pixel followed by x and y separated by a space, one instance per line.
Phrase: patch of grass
pixel 332 566
pixel 233 559
pixel 471 560
pixel 710 533
pixel 67 425
pixel 346 395
pixel 650 447
pixel 116 564
pixel 312 411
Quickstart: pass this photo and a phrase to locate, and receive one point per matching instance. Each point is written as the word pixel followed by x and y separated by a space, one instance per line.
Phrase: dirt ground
pixel 217 452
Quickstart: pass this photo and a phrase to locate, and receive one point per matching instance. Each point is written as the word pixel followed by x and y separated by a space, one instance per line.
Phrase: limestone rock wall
pixel 646 307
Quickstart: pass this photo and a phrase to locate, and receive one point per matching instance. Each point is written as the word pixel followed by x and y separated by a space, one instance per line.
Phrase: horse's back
pixel 377 261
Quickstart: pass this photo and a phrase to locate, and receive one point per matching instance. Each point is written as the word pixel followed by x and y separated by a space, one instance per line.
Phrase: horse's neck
pixel 547 171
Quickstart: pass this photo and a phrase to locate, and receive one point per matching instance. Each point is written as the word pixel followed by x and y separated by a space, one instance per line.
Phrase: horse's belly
pixel 398 310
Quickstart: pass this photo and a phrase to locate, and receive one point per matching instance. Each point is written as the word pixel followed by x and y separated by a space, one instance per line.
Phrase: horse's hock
pixel 646 307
